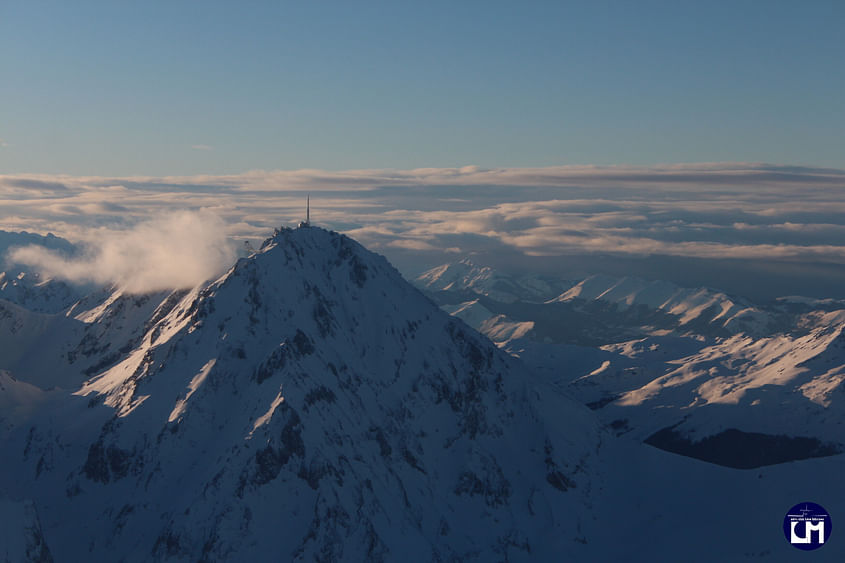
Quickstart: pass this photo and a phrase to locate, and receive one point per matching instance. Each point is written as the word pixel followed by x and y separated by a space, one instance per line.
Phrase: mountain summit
pixel 308 405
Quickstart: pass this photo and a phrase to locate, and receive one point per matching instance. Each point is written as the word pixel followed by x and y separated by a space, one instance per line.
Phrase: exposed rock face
pixel 21 539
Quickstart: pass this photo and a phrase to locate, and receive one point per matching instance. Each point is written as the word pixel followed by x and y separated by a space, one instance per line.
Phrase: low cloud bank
pixel 175 250
pixel 788 219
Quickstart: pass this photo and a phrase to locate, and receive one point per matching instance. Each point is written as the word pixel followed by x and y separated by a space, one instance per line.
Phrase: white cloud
pixel 176 250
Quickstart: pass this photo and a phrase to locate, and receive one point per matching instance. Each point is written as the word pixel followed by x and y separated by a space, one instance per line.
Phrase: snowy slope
pixel 657 506
pixel 720 399
pixel 471 312
pixel 32 346
pixel 782 385
pixel 18 401
pixel 61 350
pixel 114 323
pixel 308 405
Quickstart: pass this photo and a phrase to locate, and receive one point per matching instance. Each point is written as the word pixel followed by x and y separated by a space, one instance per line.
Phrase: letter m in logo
pixel 809 528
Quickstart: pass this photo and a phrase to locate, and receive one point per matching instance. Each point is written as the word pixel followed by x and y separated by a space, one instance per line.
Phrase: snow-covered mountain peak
pixel 465 276
pixel 462 274
pixel 36 293
pixel 311 390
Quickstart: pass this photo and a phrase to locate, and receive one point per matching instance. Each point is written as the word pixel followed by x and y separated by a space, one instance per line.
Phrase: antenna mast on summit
pixel 307 222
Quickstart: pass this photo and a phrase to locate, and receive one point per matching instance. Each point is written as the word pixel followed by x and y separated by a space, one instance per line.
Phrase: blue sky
pixel 179 87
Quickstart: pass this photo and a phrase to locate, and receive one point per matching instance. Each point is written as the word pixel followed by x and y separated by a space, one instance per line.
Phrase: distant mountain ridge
pixel 690 306
pixel 9 240
pixel 27 288
pixel 465 275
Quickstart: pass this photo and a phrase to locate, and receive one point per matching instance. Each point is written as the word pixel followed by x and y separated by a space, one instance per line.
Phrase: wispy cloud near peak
pixel 176 250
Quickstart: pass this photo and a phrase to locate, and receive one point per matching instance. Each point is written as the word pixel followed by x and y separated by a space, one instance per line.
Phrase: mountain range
pixel 690 370
pixel 312 405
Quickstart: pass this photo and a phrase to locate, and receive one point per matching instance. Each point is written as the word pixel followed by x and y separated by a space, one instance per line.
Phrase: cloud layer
pixel 176 250
pixel 747 212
